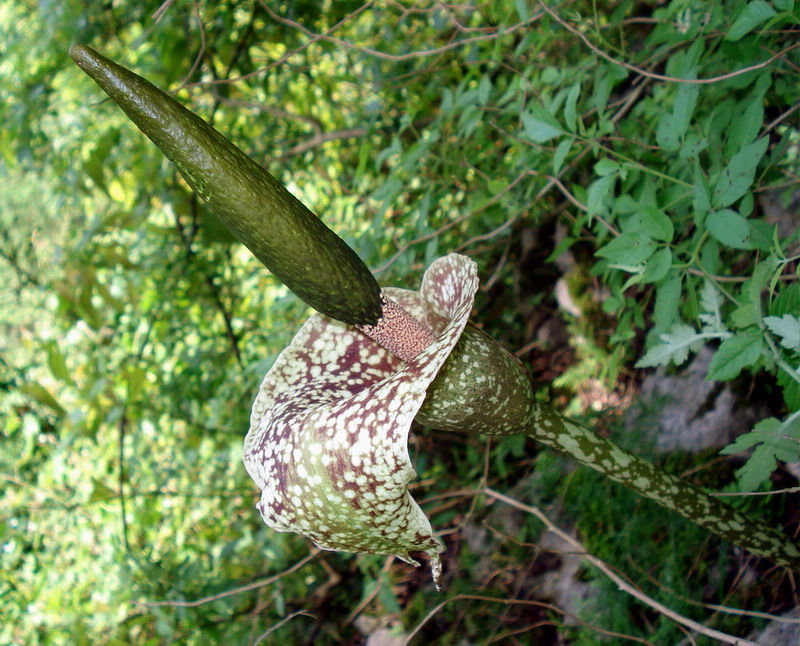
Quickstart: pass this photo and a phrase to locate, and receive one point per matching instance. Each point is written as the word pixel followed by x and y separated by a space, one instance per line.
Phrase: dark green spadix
pixel 282 233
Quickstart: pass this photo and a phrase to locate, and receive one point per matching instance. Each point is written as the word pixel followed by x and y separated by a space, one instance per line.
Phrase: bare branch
pixel 228 593
pixel 621 583
pixel 495 33
pixel 661 77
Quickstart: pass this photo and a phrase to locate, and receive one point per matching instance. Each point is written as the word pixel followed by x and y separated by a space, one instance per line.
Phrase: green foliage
pixel 133 334
pixel 773 440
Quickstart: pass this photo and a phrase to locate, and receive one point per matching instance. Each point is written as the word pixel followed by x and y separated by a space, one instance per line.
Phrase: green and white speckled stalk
pixel 598 453
pixel 483 389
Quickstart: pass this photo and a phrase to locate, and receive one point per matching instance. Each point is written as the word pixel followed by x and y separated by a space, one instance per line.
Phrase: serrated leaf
pixel 711 302
pixel 628 249
pixel 787 327
pixel 773 440
pixel 540 131
pixel 675 346
pixel 737 352
pixel 730 228
pixel 751 17
pixel 738 175
pixel 787 302
pixel 749 440
pixel 791 389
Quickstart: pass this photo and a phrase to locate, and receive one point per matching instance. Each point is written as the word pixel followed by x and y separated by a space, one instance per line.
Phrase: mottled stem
pixel 556 431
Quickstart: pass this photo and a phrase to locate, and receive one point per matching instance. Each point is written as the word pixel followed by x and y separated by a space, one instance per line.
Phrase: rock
pixel 562 586
pixel 692 413
pixel 779 633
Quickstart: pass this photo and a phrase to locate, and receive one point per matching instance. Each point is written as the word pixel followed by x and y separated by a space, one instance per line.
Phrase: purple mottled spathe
pixel 328 438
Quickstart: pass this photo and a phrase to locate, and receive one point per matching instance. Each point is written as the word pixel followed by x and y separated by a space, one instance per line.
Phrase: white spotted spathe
pixel 328 438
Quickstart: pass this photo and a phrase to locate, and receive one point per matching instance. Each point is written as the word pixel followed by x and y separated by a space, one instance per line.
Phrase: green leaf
pixel 667 133
pixel 628 249
pixel 787 327
pixel 773 440
pixel 685 101
pixel 668 296
pixel 791 390
pixel 496 186
pixel 523 10
pixel 606 166
pixel 484 89
pixel 658 265
pixel 737 352
pixel 656 223
pixel 787 302
pixel 693 145
pixel 702 202
pixel 711 302
pixel 730 229
pixel 562 150
pixel 738 175
pixel 540 131
pixel 673 125
pixel 570 111
pixel 744 316
pixel 751 17
pixel 101 491
pixel 598 192
pixel 762 235
pixel 58 366
pixel 560 248
pixel 675 346
pixel 745 129
pixel 42 395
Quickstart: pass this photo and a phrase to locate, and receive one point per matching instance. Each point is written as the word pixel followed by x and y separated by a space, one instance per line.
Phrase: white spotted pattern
pixel 328 438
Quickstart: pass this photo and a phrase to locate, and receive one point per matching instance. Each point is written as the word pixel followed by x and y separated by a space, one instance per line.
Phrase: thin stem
pixel 556 431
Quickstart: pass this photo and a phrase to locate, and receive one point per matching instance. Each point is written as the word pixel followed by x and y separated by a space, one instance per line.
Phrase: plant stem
pixel 560 433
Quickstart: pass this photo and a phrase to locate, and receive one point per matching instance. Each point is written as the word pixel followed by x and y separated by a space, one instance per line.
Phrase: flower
pixel 328 438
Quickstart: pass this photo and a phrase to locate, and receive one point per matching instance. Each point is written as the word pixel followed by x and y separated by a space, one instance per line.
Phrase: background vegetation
pixel 553 144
